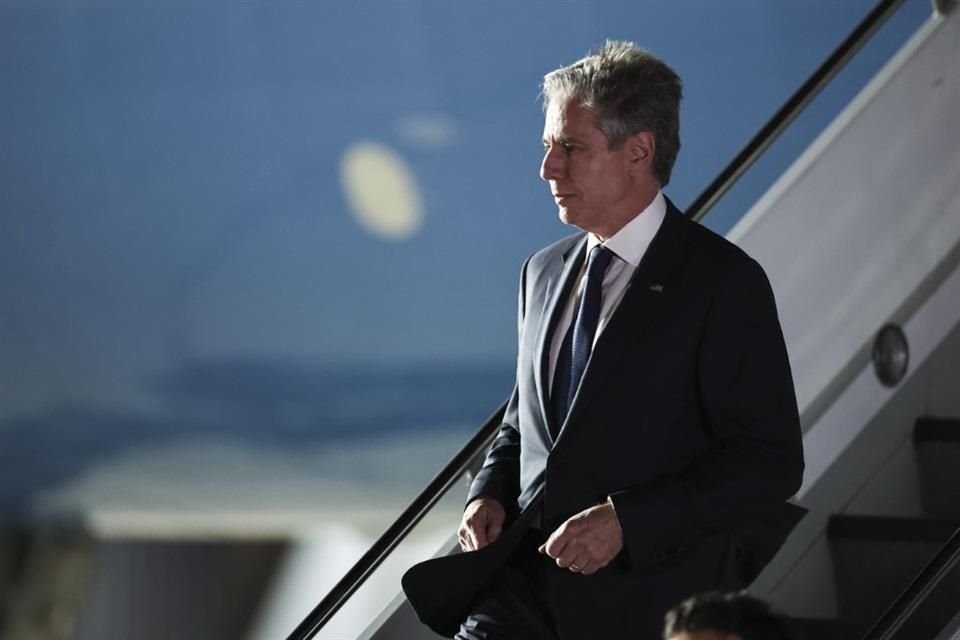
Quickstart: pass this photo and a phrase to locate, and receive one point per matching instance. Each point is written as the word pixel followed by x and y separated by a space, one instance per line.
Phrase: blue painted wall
pixel 177 252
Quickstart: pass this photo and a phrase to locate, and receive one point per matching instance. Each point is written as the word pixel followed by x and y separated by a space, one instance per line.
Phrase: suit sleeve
pixel 499 477
pixel 749 410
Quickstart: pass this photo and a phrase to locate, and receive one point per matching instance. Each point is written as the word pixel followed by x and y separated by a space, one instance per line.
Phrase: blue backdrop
pixel 182 250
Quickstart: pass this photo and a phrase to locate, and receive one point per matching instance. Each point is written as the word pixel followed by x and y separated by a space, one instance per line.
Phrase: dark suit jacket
pixel 686 416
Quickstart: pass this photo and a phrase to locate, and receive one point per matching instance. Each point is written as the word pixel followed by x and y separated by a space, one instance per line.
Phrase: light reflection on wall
pixel 382 190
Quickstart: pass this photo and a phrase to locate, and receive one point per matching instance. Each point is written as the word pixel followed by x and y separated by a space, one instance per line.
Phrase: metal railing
pixel 913 596
pixel 477 445
pixel 393 536
pixel 792 107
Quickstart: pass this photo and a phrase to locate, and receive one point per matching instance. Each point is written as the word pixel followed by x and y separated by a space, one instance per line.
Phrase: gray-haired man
pixel 652 438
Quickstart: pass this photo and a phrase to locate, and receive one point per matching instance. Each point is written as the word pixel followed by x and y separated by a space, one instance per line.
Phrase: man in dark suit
pixel 653 434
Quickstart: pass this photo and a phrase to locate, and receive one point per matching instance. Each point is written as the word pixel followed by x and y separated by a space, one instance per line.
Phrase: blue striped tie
pixel 578 343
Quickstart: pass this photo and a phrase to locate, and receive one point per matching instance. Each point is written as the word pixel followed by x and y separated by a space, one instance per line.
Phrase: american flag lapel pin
pixel 656 287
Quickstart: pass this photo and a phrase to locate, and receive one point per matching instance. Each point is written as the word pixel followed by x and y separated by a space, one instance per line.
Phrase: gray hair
pixel 630 90
pixel 730 613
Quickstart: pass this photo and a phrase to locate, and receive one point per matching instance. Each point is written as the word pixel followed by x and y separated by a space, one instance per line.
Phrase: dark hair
pixel 737 613
pixel 630 90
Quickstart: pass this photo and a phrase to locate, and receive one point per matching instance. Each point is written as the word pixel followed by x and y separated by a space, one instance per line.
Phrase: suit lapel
pixel 558 290
pixel 647 291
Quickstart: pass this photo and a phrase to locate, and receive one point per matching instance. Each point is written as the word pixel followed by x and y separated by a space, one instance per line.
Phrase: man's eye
pixel 566 146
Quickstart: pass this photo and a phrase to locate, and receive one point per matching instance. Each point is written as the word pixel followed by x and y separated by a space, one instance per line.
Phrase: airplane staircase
pixel 875 557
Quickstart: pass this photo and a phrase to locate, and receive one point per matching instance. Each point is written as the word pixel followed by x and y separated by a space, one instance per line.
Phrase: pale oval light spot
pixel 381 190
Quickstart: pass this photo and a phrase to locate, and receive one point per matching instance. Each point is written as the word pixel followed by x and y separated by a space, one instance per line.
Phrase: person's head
pixel 727 616
pixel 611 135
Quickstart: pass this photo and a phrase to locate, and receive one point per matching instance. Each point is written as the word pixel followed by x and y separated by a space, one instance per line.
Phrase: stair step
pixel 821 629
pixel 891 529
pixel 931 429
pixel 876 558
pixel 937 447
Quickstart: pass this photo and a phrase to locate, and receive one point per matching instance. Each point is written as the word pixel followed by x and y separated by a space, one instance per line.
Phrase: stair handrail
pixel 796 103
pixel 886 627
pixel 394 535
pixel 477 445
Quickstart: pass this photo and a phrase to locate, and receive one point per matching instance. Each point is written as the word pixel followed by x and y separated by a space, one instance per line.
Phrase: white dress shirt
pixel 628 246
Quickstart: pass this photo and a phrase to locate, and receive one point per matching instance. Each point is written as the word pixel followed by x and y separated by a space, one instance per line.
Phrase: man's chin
pixel 571 219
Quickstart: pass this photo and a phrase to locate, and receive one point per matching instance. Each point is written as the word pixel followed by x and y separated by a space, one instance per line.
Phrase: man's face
pixel 590 183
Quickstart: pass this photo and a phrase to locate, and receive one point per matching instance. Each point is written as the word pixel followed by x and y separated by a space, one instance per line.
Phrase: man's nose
pixel 552 166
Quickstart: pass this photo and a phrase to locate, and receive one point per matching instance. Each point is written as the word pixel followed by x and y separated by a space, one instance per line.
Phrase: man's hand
pixel 586 542
pixel 481 524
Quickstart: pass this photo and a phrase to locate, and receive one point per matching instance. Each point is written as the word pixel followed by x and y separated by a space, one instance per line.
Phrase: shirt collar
pixel 631 242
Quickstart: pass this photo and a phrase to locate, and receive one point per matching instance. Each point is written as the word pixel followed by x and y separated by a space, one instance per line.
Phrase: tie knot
pixel 598 261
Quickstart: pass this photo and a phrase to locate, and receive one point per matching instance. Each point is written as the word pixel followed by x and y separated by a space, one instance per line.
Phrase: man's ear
pixel 641 148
